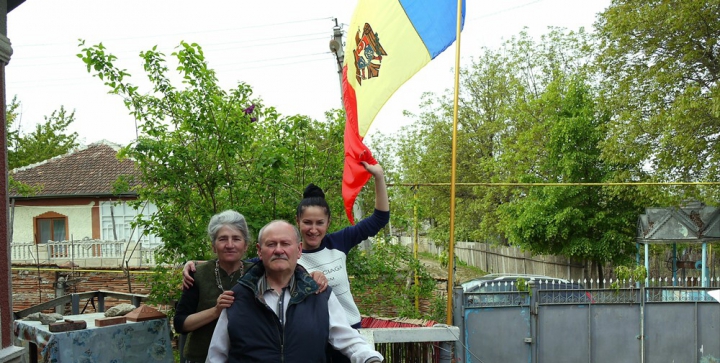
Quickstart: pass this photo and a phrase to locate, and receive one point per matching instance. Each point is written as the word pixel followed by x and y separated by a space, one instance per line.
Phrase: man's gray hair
pixel 262 230
pixel 228 218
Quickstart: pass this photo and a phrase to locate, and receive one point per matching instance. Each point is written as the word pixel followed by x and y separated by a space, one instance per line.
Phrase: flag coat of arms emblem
pixel 368 54
pixel 388 42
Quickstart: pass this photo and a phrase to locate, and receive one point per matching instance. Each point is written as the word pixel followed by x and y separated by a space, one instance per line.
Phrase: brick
pixel 110 321
pixel 28 291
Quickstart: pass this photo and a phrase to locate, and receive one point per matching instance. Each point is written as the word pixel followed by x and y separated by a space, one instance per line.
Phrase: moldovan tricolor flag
pixel 388 41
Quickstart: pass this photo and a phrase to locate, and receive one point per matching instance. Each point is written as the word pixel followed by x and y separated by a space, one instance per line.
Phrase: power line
pixel 284 64
pixel 126 54
pixel 209 46
pixel 188 33
pixel 85 82
pixel 503 11
pixel 268 44
pixel 619 184
pixel 211 65
pixel 276 58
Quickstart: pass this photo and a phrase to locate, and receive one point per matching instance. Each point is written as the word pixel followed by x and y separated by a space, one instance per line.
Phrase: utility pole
pixel 336 47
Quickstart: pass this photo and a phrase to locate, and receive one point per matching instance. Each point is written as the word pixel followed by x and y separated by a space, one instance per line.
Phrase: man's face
pixel 280 249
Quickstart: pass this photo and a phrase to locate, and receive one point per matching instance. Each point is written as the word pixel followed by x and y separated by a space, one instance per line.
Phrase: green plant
pixel 443 258
pixel 383 281
pixel 625 273
pixel 522 284
pixel 438 308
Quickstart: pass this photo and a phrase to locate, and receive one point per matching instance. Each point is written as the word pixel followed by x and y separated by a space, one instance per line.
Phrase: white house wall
pixel 79 220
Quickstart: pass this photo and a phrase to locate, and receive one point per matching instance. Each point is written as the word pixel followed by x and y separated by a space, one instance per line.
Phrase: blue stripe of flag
pixel 434 21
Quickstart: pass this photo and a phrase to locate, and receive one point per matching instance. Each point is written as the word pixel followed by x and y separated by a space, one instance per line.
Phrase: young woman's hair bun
pixel 313 191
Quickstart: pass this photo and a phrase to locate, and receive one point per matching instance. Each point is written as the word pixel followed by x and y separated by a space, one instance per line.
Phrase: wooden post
pixel 6 318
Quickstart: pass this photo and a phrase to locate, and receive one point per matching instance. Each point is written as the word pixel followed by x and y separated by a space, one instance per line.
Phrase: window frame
pixel 52 216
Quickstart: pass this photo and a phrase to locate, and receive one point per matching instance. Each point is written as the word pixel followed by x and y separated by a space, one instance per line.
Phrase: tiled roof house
pixel 86 171
pixel 76 197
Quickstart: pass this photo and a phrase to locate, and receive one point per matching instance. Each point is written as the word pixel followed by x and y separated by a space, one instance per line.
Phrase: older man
pixel 276 315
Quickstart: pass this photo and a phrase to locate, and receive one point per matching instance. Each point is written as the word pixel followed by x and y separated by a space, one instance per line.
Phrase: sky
pixel 279 47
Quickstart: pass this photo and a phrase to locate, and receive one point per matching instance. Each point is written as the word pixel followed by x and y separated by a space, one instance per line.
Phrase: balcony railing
pixel 85 253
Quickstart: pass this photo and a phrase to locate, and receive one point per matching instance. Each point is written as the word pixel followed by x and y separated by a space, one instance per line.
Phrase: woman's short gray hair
pixel 228 218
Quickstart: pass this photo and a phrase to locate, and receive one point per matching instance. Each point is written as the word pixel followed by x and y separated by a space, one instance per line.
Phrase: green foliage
pixel 522 284
pixel 49 139
pixel 660 77
pixel 202 150
pixel 528 113
pixel 624 274
pixel 593 223
pixel 636 273
pixel 383 279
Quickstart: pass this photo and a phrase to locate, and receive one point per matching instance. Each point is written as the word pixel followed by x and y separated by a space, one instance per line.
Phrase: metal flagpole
pixel 451 252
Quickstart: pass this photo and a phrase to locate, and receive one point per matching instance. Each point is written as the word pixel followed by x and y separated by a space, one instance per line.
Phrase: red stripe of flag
pixel 354 174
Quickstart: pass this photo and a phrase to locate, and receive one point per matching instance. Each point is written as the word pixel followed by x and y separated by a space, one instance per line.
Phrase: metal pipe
pixel 60 292
pixel 704 265
pixel 674 265
pixel 459 321
pixel 446 349
pixel 647 263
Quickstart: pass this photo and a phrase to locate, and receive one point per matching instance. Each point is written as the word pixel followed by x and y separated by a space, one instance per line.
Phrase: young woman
pixel 328 252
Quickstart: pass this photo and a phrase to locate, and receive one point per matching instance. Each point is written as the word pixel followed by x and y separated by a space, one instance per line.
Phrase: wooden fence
pixel 503 259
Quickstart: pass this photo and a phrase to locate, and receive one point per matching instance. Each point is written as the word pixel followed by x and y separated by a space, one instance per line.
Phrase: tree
pixel 49 139
pixel 528 113
pixel 587 222
pixel 499 131
pixel 660 63
pixel 423 152
pixel 202 150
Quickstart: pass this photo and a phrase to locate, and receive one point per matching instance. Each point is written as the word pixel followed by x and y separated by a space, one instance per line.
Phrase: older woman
pixel 201 304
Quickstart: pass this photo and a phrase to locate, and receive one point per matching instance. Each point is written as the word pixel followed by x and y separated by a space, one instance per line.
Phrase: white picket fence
pixel 84 253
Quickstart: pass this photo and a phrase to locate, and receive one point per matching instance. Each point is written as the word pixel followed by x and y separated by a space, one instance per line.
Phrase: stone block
pixel 68 325
pixel 43 318
pixel 119 310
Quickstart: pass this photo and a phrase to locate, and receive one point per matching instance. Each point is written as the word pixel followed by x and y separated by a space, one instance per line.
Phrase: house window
pixel 50 226
pixel 116 223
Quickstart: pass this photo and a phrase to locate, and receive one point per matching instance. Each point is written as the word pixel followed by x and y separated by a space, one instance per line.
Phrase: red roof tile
pixel 91 170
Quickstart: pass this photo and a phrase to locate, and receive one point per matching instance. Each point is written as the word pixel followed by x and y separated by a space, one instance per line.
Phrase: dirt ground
pixel 462 273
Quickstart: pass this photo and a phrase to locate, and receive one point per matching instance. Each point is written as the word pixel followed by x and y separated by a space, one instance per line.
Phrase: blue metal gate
pixel 629 325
